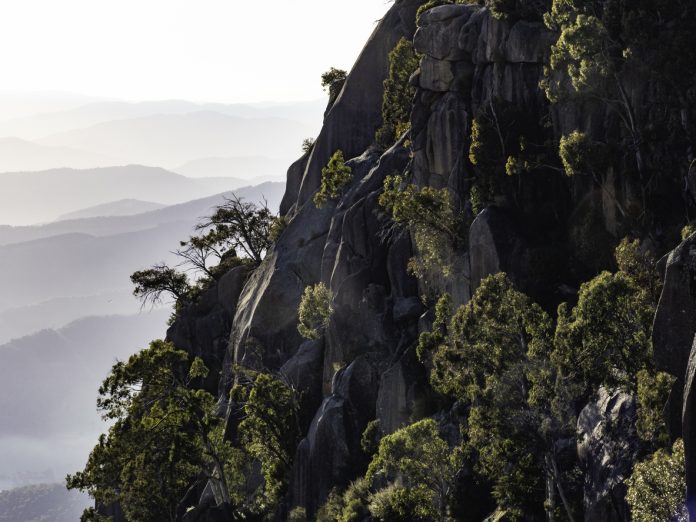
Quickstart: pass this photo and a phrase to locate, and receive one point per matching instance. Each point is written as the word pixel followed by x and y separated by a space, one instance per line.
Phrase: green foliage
pixel 332 81
pixel 430 214
pixel 371 436
pixel 153 283
pixel 495 356
pixel 315 311
pixel 579 155
pixel 605 339
pixel 269 433
pixel 657 487
pixel 332 508
pixel 240 226
pixel 424 463
pixel 307 145
pixel 298 514
pixel 355 501
pixel 688 230
pixel 398 94
pixel 495 329
pixel 163 435
pixel 428 342
pixel 335 177
pixel 640 266
pixel 278 226
pixel 397 503
pixel 653 391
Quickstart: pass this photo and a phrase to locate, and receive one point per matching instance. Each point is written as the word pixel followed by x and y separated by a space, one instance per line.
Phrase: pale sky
pixel 201 50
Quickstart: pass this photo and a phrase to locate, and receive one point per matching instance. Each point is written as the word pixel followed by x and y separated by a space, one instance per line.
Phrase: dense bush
pixel 315 311
pixel 437 227
pixel 332 81
pixel 398 94
pixel 657 487
pixel 335 177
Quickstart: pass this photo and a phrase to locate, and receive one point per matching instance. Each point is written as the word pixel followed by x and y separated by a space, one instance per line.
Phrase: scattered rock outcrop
pixel 607 447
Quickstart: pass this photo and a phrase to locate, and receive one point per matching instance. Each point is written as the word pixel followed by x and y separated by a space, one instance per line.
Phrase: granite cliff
pixel 548 231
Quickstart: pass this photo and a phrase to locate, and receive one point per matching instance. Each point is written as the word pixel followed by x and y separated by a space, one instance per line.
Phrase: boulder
pixel 493 244
pixel 402 393
pixel 675 320
pixel 330 455
pixel 607 447
pixel 435 75
pixel 438 32
pixel 675 324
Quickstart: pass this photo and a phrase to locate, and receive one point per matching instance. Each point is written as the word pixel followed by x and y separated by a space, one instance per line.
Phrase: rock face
pixel 607 447
pixel 535 228
pixel 675 321
pixel 203 328
pixel 351 122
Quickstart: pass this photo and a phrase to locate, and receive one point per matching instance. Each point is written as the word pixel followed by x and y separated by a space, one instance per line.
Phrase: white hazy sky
pixel 201 50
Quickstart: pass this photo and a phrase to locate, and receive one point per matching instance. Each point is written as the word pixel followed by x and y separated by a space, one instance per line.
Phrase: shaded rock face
pixel 675 320
pixel 675 324
pixel 330 455
pixel 202 329
pixel 607 447
pixel 351 122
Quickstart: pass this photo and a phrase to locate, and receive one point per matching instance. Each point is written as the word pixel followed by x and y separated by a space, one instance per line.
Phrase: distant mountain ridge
pixel 44 123
pixel 66 190
pixel 122 207
pixel 189 211
pixel 170 140
pixel 21 155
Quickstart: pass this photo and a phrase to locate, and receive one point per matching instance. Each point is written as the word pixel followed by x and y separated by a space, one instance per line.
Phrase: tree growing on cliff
pixel 495 357
pixel 332 81
pixel 438 228
pixel 398 94
pixel 426 467
pixel 269 432
pixel 335 177
pixel 165 437
pixel 240 226
pixel 153 283
pixel 315 311
pixel 657 487
pixel 606 338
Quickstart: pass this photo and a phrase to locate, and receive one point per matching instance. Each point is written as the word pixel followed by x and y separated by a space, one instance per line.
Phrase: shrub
pixel 298 514
pixel 437 227
pixel 398 94
pixel 335 177
pixel 657 487
pixel 332 508
pixel 332 81
pixel 396 503
pixel 653 392
pixel 315 311
pixel 576 153
pixel 355 501
pixel 277 228
pixel 688 230
pixel 307 145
